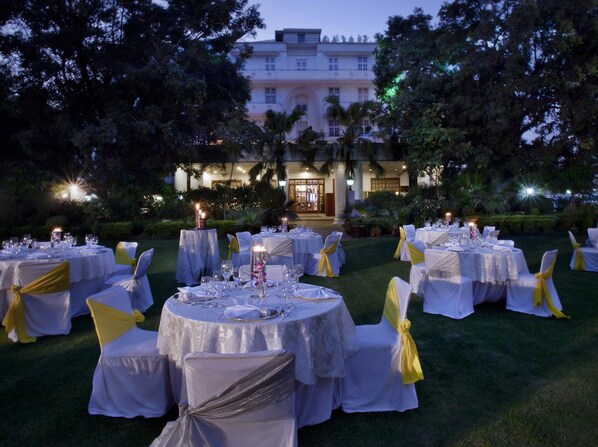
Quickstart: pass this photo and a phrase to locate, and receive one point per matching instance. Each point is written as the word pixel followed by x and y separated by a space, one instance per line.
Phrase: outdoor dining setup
pixel 456 267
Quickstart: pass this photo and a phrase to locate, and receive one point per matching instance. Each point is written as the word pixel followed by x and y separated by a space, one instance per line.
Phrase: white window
pixel 270 65
pixel 301 64
pixel 301 38
pixel 365 127
pixel 362 94
pixel 362 63
pixel 333 128
pixel 334 91
pixel 333 63
pixel 270 95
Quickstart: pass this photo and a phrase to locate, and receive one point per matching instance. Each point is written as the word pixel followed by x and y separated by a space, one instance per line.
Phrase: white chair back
pixel 130 248
pixel 404 290
pixel 442 264
pixel 279 250
pixel 487 230
pixel 593 236
pixel 341 251
pixel 572 239
pixel 143 263
pixel 244 239
pixel 331 239
pixel 547 260
pixel 115 297
pixel 409 232
pixel 506 242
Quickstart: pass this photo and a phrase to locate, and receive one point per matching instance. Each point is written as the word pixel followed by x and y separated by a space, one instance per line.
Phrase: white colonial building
pixel 298 69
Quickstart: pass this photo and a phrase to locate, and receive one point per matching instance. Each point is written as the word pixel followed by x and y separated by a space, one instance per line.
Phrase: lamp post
pixel 350 192
pixel 283 183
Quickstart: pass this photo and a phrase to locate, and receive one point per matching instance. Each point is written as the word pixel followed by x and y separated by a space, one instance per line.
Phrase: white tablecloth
pixel 492 266
pixel 198 255
pixel 321 333
pixel 89 269
pixel 304 244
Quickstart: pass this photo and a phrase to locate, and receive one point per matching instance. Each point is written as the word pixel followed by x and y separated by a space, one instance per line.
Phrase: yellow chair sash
pixel 111 323
pixel 541 291
pixel 397 254
pixel 233 247
pixel 324 263
pixel 579 263
pixel 416 256
pixel 122 257
pixel 55 281
pixel 411 370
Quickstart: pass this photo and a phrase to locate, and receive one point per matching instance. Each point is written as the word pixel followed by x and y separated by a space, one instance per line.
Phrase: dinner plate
pixel 272 312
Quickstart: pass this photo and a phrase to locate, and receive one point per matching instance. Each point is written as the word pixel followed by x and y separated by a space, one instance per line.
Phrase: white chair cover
pixel 240 258
pixel 244 239
pixel 341 251
pixel 45 314
pixel 417 272
pixel 131 249
pixel 137 284
pixel 409 232
pixel 446 291
pixel 487 230
pixel 593 237
pixel 373 380
pixel 236 400
pixel 520 291
pixel 506 242
pixel 279 250
pixel 131 378
pixel 589 256
pixel 274 272
pixel 314 258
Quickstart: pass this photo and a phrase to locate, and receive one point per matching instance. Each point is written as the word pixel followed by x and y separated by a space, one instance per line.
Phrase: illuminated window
pixel 386 184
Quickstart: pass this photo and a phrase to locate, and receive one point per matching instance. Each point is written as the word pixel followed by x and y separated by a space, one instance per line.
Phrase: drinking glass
pixel 95 240
pixel 236 277
pixel 299 270
pixel 88 239
pixel 205 285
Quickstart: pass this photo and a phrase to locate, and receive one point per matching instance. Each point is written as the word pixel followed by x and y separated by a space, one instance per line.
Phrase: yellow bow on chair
pixel 580 263
pixel 111 323
pixel 416 256
pixel 541 291
pixel 411 369
pixel 55 281
pixel 402 236
pixel 233 247
pixel 122 257
pixel 324 263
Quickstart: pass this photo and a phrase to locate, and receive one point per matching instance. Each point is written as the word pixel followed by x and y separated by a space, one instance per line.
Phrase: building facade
pixel 298 70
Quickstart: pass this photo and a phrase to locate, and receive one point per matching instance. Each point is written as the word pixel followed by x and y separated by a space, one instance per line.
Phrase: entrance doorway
pixel 308 195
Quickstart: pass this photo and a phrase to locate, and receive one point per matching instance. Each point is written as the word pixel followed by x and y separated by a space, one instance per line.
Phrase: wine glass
pixel 226 267
pixel 205 285
pixel 88 239
pixel 236 277
pixel 299 271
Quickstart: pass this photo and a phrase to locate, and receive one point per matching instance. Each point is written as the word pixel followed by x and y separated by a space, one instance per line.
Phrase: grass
pixel 495 378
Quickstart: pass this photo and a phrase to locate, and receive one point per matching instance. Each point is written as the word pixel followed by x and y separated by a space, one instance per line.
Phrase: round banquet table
pixel 90 267
pixel 198 255
pixel 320 332
pixel 304 243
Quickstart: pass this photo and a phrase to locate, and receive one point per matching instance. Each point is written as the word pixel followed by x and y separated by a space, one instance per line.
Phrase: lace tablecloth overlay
pixel 320 333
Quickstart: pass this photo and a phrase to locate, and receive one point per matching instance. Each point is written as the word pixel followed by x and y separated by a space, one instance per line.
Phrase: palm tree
pixel 350 147
pixel 277 126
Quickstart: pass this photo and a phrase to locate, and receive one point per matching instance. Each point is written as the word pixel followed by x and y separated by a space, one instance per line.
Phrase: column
pixel 358 185
pixel 340 193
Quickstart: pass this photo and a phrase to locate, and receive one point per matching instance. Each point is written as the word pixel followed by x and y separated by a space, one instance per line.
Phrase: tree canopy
pixel 504 87
pixel 117 92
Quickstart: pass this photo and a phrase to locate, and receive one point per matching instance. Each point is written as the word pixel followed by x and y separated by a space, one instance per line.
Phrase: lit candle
pixel 258 267
pixel 200 217
pixel 447 217
pixel 285 222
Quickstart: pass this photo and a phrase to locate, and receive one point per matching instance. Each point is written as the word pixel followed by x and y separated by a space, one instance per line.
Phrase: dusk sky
pixel 340 17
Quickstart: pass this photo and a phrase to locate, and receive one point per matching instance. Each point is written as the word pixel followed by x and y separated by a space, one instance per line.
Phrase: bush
pixel 577 218
pixel 117 231
pixel 520 224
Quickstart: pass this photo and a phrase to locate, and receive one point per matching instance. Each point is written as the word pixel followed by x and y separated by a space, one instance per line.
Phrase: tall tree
pixel 120 91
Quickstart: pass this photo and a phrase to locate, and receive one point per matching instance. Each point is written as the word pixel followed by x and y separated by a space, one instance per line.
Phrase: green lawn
pixel 496 378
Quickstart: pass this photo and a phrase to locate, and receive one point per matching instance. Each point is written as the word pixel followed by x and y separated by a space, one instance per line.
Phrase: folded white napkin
pixel 317 293
pixel 501 248
pixel 455 248
pixel 189 293
pixel 37 255
pixel 243 311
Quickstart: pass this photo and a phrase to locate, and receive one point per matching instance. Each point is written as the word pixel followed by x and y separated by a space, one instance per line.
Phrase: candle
pixel 200 217
pixel 447 217
pixel 472 230
pixel 285 222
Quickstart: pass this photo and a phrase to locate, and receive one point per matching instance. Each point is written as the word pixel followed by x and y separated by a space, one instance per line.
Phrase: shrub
pixel 577 218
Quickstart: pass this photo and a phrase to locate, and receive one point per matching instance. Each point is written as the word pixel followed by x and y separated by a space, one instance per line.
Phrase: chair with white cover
pixel 137 284
pixel 131 378
pixel 381 376
pixel 244 240
pixel 279 250
pixel 593 237
pixel 505 242
pixel 341 251
pixel 409 232
pixel 325 263
pixel 274 272
pixel 584 258
pixel 535 294
pixel 417 272
pixel 41 303
pixel 234 252
pixel 446 291
pixel 124 258
pixel 401 251
pixel 487 230
pixel 236 400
